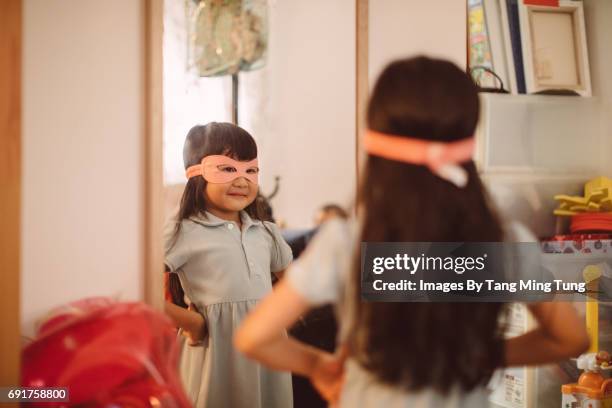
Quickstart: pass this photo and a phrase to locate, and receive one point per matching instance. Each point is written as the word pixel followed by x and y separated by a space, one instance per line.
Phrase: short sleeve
pixel 318 275
pixel 177 250
pixel 281 255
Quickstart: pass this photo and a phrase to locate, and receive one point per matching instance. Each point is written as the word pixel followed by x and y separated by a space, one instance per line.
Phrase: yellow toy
pixel 591 275
pixel 597 198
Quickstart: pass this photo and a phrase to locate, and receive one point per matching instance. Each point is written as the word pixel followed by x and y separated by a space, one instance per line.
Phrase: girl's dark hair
pixel 425 345
pixel 201 141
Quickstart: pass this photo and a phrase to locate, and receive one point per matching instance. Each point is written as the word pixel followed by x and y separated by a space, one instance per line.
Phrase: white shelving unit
pixel 531 147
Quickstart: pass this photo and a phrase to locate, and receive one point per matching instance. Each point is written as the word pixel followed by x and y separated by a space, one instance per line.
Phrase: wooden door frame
pixel 11 21
pixel 362 25
pixel 153 217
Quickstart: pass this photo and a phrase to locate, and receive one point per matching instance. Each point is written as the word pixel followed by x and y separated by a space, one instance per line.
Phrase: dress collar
pixel 247 221
pixel 207 219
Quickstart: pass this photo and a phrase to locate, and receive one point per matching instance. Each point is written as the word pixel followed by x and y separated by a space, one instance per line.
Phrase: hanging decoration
pixel 226 36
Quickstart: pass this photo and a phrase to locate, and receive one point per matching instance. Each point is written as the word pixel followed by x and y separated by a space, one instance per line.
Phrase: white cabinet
pixel 540 135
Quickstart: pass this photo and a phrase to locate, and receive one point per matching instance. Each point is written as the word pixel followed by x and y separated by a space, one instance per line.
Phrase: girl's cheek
pixel 253 193
pixel 215 192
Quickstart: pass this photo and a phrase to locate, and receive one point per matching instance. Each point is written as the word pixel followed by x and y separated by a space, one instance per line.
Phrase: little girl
pixel 221 253
pixel 420 185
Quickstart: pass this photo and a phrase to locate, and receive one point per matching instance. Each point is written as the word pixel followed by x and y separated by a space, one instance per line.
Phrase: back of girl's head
pixel 424 98
pixel 419 345
pixel 431 100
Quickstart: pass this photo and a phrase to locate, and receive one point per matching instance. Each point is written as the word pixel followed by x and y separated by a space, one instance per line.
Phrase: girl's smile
pixel 226 200
pixel 238 194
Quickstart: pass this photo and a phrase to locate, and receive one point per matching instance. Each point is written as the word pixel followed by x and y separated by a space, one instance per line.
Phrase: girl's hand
pixel 327 375
pixel 195 331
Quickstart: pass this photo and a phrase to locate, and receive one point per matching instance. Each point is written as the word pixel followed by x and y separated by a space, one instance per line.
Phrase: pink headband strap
pixel 442 159
pixel 194 171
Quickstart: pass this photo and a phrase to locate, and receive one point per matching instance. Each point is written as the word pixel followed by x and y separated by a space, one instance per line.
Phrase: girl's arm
pixel 190 321
pixel 561 334
pixel 262 334
pixel 262 337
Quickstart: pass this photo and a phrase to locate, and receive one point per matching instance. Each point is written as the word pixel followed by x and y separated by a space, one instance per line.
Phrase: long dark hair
pixel 419 345
pixel 201 141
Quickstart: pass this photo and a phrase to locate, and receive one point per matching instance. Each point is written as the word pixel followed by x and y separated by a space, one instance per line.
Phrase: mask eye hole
pixel 227 169
pixel 253 170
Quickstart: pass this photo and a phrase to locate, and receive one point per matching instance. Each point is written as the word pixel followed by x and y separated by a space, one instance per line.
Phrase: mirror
pixel 299 106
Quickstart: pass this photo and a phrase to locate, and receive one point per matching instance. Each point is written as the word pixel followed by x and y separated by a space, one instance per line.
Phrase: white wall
pixel 82 152
pixel 400 29
pixel 301 107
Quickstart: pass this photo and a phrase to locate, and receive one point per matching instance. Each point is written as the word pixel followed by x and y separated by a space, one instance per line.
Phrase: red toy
pixel 107 354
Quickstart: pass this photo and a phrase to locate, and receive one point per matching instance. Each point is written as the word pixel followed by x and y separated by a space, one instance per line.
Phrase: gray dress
pixel 225 271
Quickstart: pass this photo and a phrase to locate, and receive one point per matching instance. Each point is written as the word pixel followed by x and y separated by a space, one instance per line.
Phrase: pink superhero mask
pixel 223 169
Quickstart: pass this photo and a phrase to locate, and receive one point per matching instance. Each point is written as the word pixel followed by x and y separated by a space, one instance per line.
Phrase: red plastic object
pixel 549 3
pixel 108 355
pixel 578 237
pixel 591 222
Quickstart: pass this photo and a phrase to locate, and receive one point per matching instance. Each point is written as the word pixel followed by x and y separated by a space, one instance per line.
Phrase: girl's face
pixel 232 196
